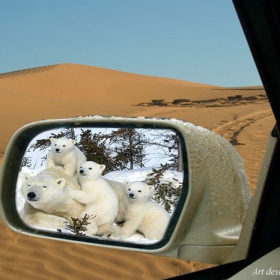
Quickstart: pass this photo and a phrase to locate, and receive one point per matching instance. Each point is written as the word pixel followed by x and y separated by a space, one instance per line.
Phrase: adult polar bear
pixel 47 200
pixel 64 153
pixel 99 198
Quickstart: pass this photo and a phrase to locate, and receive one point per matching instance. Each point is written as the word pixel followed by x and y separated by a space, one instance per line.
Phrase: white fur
pixel 99 198
pixel 119 189
pixel 64 153
pixel 143 214
pixel 47 199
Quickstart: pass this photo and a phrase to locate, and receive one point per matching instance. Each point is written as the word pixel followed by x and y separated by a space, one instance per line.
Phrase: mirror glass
pixel 102 183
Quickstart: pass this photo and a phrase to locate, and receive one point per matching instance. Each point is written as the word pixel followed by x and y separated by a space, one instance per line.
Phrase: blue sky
pixel 193 40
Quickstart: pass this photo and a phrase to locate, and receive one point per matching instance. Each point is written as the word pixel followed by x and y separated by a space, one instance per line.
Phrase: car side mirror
pixel 198 189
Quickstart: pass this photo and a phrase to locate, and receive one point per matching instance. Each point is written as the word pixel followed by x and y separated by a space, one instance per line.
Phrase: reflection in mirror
pixel 117 183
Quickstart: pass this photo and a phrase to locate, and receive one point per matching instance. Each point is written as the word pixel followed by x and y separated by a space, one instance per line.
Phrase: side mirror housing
pixel 207 220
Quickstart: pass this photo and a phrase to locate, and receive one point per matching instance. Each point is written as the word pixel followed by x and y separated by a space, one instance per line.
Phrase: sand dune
pixel 92 84
pixel 68 90
pixel 96 85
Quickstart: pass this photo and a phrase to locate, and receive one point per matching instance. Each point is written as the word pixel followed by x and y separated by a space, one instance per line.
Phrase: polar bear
pixel 99 198
pixel 123 199
pixel 64 153
pixel 47 199
pixel 143 214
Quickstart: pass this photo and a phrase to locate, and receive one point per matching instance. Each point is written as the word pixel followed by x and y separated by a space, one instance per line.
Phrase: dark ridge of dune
pixel 26 71
pixel 244 88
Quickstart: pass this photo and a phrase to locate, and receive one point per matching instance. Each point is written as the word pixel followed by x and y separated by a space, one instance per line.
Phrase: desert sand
pixel 242 115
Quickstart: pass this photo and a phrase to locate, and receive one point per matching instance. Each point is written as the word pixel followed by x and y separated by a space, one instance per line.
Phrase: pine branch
pixel 79 224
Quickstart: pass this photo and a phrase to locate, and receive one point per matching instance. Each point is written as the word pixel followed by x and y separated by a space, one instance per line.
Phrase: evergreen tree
pixel 129 148
pixel 95 148
pixel 166 193
pixel 168 143
pixel 26 161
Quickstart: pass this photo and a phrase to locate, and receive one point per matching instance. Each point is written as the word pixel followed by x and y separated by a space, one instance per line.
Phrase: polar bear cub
pixel 142 213
pixel 99 198
pixel 64 153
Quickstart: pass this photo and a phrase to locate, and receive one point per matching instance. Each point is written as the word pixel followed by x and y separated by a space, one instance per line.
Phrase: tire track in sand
pixel 249 134
pixel 231 129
